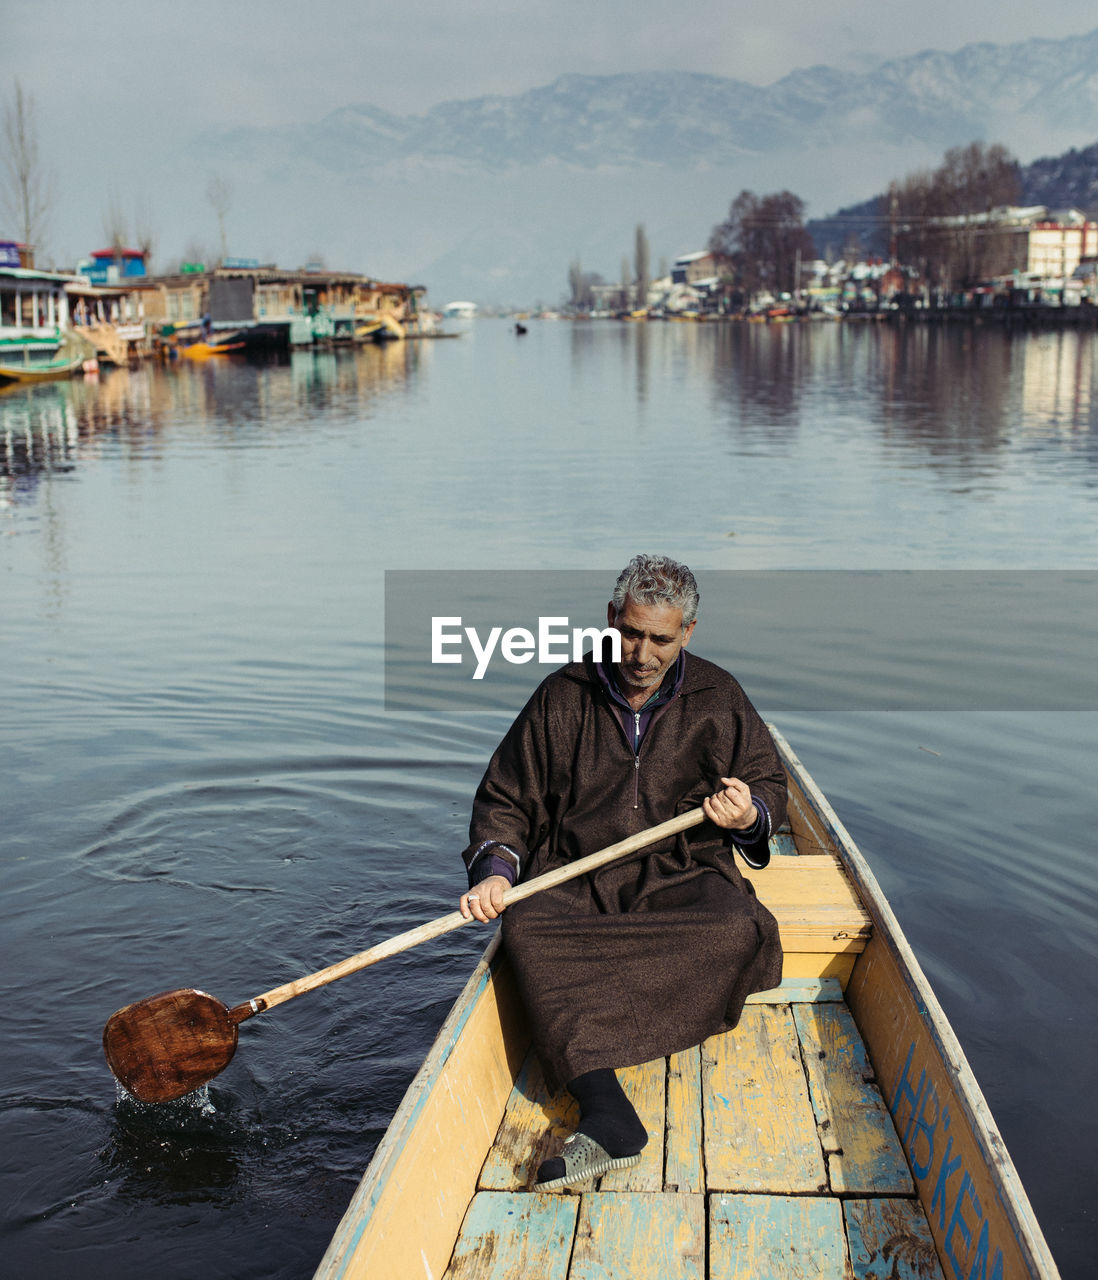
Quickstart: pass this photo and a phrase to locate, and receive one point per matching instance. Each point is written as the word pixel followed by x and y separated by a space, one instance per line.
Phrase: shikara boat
pixel 838 1132
pixel 38 360
pixel 222 345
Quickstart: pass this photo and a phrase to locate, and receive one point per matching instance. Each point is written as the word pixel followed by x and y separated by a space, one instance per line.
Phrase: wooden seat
pixel 822 923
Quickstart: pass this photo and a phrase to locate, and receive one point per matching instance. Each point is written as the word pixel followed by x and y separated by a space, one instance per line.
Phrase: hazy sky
pixel 99 68
pixel 122 86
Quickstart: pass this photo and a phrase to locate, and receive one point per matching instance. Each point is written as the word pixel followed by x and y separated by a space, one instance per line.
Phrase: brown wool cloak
pixel 652 954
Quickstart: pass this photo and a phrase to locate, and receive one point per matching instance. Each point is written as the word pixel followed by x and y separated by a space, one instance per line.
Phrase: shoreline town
pixel 111 310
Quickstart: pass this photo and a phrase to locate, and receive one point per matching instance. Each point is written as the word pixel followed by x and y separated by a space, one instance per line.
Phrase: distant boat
pixel 460 310
pixel 222 345
pixel 380 327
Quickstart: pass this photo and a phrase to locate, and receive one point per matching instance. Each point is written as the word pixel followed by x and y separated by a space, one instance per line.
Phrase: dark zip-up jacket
pixel 657 951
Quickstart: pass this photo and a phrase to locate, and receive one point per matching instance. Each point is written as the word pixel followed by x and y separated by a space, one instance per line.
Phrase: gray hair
pixel 657 580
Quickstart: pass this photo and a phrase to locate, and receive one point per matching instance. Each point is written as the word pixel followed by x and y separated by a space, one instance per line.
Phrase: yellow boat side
pixel 407 1211
pixel 980 1216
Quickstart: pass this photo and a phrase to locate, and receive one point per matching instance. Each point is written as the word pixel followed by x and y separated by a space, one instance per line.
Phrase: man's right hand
pixel 484 901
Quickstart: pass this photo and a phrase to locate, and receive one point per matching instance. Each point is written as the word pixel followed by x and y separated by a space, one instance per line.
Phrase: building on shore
pixel 112 307
pixel 13 253
pixel 1030 248
pixel 37 341
pixel 699 268
pixel 1057 244
pixel 114 266
pixel 273 307
pixel 112 318
pixel 33 303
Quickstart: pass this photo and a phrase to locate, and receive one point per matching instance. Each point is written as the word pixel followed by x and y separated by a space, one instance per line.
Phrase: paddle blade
pixel 169 1045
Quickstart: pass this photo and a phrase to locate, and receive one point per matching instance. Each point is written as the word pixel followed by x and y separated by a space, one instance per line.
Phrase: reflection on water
pixel 951 391
pixel 52 428
pixel 1058 381
pixel 955 394
pixel 39 434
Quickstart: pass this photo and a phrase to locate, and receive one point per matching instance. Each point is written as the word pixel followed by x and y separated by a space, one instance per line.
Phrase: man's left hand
pixel 732 807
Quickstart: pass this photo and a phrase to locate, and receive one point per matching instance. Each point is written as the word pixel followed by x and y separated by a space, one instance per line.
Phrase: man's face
pixel 651 638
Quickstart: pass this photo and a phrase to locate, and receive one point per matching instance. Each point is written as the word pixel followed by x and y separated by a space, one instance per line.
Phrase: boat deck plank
pixel 683 1170
pixel 856 1131
pixel 780 1237
pixel 760 1129
pixel 801 991
pixel 757 1165
pixel 646 1088
pixel 534 1125
pixel 644 1237
pixel 890 1240
pixel 513 1236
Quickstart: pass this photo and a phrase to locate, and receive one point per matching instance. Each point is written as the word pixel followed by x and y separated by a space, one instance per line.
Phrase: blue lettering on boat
pixel 924 1133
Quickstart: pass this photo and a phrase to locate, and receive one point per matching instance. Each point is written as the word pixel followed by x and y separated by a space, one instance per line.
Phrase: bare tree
pixel 28 190
pixel 121 232
pixel 942 218
pixel 641 266
pixel 576 286
pixel 143 234
pixel 195 254
pixel 762 241
pixel 114 223
pixel 581 286
pixel 219 192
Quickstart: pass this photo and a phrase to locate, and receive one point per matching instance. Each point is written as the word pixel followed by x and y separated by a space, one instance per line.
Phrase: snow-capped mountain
pixel 568 169
pixel 676 117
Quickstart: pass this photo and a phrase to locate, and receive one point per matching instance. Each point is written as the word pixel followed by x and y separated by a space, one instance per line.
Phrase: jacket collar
pixel 697 673
pixel 670 685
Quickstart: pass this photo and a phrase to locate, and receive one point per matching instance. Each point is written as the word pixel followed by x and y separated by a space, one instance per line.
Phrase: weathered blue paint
pixel 777 1237
pixel 783 845
pixel 857 1132
pixel 516 1234
pixel 889 1239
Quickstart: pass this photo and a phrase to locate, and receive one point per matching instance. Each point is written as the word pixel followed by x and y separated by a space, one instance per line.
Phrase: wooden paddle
pixel 171 1044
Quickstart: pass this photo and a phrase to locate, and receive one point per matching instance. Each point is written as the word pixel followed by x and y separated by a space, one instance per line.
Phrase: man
pixel 653 953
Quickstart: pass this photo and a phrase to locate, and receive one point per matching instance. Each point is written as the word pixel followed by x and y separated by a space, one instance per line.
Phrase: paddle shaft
pixel 447 923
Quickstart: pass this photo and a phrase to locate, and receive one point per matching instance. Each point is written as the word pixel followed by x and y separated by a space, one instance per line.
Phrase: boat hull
pixel 44 362
pixel 859 1128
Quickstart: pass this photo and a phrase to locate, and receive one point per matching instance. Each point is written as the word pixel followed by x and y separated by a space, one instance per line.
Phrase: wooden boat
pixel 36 360
pixel 227 345
pixel 379 327
pixel 838 1132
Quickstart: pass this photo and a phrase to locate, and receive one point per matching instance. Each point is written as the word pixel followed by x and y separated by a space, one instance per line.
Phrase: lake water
pixel 202 782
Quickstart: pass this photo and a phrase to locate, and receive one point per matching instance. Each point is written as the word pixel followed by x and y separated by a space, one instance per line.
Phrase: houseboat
pixel 37 342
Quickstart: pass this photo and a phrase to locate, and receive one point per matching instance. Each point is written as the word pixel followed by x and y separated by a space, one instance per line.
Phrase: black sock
pixel 606 1114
